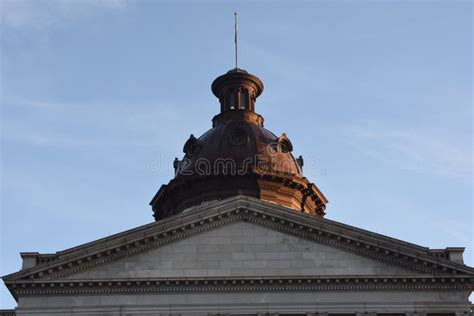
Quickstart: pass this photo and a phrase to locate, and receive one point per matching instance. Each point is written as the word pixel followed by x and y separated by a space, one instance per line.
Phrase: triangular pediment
pixel 241 249
pixel 238 238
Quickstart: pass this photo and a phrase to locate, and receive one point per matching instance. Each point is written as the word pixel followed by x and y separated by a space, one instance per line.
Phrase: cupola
pixel 237 90
pixel 238 156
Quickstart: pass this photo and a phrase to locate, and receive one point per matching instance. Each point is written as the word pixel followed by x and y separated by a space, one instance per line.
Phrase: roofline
pixel 202 212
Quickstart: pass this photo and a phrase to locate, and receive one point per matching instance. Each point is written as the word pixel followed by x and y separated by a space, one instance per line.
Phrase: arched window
pixel 231 100
pixel 244 99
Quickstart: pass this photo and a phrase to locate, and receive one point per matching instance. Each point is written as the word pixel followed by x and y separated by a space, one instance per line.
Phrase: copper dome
pixel 238 156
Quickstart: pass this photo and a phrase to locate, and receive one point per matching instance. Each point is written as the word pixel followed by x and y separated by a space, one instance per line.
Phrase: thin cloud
pixel 19 102
pixel 460 230
pixel 56 124
pixel 41 14
pixel 413 149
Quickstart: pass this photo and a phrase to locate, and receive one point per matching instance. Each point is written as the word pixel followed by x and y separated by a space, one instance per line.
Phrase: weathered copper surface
pixel 238 156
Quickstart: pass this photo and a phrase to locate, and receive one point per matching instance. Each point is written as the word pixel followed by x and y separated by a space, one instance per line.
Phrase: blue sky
pixel 98 97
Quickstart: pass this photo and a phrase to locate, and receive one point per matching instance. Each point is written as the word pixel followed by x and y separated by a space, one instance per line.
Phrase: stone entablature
pixel 242 284
pixel 421 313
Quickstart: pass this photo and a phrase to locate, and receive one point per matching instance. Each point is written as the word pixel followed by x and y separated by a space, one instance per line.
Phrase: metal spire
pixel 235 40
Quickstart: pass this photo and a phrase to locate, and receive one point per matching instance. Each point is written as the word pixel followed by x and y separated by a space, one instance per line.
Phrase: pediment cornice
pixel 243 284
pixel 213 215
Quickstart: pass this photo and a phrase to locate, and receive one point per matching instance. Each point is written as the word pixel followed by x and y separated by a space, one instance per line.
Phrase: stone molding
pixel 197 221
pixel 244 284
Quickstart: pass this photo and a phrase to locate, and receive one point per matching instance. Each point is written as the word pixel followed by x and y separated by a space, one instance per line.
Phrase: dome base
pixel 292 192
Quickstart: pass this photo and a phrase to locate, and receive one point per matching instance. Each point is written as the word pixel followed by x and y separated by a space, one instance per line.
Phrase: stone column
pixel 238 105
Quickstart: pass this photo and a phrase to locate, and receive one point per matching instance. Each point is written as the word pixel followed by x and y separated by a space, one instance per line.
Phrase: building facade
pixel 240 230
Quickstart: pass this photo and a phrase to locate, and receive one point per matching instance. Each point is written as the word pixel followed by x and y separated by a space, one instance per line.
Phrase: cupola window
pixel 231 100
pixel 244 99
